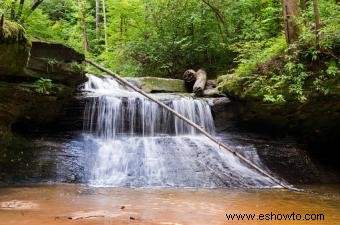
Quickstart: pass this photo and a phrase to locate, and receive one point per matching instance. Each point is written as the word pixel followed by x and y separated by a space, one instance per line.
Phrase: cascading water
pixel 139 144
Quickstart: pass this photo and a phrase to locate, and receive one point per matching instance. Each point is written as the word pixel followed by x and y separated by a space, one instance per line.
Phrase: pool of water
pixel 80 204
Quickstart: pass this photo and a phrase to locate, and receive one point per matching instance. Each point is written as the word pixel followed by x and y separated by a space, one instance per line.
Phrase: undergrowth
pixel 273 72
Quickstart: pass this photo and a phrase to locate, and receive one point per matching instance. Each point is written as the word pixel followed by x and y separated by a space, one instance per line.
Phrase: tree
pixel 2 21
pixel 13 10
pixel 21 5
pixel 97 18
pixel 290 12
pixel 82 11
pixel 219 15
pixel 317 22
pixel 303 4
pixel 105 25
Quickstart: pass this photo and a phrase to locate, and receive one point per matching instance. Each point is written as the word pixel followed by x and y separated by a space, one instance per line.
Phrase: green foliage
pixel 272 72
pixel 248 80
pixel 166 37
pixel 43 85
pixel 253 53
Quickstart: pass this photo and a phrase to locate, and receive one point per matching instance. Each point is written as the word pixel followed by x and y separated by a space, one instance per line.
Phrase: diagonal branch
pixel 36 4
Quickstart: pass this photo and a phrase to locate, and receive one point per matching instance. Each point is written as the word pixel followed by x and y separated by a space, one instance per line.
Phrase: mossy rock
pixel 57 62
pixel 14 49
pixel 159 85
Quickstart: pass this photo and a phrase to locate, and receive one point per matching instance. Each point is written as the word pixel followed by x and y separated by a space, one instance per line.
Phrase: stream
pixel 134 162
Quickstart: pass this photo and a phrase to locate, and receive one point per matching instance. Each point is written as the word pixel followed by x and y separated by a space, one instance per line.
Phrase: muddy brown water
pixel 79 204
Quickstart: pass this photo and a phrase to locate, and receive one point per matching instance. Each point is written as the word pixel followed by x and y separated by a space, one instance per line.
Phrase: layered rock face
pixel 57 62
pixel 36 80
pixel 313 124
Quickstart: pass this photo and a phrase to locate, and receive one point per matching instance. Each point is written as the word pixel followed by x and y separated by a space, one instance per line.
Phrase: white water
pixel 139 144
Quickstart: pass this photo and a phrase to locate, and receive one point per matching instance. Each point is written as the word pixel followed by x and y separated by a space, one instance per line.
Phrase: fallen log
pixel 201 80
pixel 189 76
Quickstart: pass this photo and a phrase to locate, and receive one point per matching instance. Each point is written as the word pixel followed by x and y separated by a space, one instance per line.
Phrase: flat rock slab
pixel 55 51
pixel 158 85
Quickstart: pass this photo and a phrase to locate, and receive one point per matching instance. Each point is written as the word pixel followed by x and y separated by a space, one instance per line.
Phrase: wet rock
pixel 18 205
pixel 295 165
pixel 83 215
pixel 89 215
pixel 224 112
pixel 315 122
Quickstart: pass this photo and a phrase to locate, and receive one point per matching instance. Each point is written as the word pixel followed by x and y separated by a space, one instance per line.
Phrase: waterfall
pixel 140 144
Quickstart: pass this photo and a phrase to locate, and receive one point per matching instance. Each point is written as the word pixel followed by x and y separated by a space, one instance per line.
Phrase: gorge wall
pixel 37 79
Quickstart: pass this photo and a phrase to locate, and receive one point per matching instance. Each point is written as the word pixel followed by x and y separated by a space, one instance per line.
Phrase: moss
pixel 77 67
pixel 14 49
pixel 10 32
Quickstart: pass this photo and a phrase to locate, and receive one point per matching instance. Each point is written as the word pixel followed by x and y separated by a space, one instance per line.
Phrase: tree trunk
pixel 317 22
pixel 189 76
pixel 121 26
pixel 13 9
pixel 21 6
pixel 201 79
pixel 82 8
pixel 290 12
pixel 97 18
pixel 2 21
pixel 105 26
pixel 220 17
pixel 303 4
